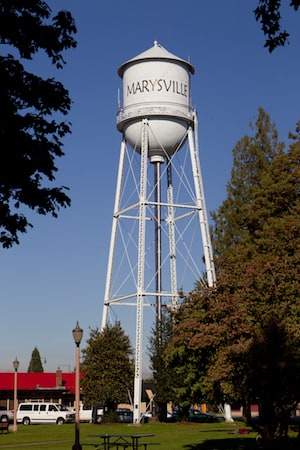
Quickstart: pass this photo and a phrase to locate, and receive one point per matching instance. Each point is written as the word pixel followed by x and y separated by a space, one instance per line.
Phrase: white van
pixel 38 412
pixel 89 414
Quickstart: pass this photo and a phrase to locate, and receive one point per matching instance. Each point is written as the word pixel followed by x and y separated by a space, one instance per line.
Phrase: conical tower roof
pixel 157 52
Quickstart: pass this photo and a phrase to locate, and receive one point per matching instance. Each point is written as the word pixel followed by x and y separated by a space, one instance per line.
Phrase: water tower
pixel 160 243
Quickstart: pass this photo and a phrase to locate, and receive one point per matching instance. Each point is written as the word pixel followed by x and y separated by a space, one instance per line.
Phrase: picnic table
pixel 122 441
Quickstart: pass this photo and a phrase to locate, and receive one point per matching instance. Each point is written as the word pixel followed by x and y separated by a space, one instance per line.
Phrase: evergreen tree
pixel 163 376
pixel 243 337
pixel 30 138
pixel 35 364
pixel 107 367
pixel 242 215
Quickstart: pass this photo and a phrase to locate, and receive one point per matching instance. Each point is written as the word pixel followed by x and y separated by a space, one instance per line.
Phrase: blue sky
pixel 56 275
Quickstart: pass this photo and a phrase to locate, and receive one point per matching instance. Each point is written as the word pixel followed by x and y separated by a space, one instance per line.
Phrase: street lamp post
pixel 77 336
pixel 16 366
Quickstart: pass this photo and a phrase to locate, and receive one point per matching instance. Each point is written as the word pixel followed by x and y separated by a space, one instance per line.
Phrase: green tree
pixel 243 337
pixel 163 377
pixel 191 350
pixel 268 14
pixel 35 364
pixel 108 367
pixel 252 194
pixel 30 136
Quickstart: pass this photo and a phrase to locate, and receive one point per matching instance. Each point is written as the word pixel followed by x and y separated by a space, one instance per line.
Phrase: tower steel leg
pixel 201 207
pixel 172 245
pixel 113 234
pixel 140 274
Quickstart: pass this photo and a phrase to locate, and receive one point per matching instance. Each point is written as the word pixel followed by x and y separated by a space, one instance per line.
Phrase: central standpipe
pixel 158 272
pixel 156 122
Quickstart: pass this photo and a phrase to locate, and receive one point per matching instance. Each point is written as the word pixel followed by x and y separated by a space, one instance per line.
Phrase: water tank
pixel 156 86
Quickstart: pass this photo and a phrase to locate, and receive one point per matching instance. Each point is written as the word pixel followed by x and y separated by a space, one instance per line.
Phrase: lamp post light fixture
pixel 77 336
pixel 16 366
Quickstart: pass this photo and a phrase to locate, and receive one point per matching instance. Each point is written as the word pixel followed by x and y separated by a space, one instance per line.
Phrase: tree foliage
pixel 269 15
pixel 242 338
pixel 163 376
pixel 108 367
pixel 35 364
pixel 30 138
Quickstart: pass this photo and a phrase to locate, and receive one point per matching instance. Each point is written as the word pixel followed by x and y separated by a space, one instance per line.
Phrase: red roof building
pixel 44 386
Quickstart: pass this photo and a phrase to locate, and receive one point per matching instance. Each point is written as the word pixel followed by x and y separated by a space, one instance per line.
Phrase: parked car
pixel 125 415
pixel 173 417
pixel 41 412
pixel 294 422
pixel 195 415
pixel 6 415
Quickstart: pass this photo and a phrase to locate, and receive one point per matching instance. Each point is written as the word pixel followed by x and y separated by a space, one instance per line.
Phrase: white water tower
pixel 160 233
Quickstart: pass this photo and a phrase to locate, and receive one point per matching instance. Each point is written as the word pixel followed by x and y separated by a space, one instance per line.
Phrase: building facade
pixel 38 386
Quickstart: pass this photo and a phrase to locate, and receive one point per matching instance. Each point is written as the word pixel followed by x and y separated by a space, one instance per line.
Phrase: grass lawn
pixel 175 436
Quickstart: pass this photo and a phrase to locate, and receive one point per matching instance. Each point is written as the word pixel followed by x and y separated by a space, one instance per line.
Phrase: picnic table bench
pixel 122 441
pixel 120 445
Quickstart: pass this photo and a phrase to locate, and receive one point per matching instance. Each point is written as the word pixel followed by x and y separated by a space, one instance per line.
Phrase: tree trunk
pixel 246 411
pixel 268 437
